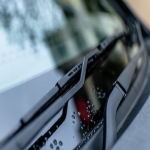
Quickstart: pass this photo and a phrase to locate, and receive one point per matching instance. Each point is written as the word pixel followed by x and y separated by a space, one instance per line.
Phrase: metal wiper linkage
pixel 56 98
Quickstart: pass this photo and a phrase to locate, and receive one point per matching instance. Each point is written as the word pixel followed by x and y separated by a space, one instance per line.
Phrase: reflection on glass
pixel 37 36
pixel 85 109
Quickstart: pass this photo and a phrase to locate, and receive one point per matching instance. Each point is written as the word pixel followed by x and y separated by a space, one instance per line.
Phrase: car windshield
pixel 38 36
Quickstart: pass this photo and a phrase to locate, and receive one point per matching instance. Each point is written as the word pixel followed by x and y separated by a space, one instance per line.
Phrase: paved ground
pixel 142 7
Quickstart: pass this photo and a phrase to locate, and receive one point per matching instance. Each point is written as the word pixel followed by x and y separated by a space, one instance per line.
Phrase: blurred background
pixel 142 9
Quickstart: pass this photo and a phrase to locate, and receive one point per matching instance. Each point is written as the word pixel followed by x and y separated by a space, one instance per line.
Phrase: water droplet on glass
pixel 81 128
pixel 46 138
pixel 57 148
pixel 88 102
pixel 60 143
pixel 49 132
pixel 74 113
pixel 104 95
pixel 73 116
pixel 51 146
pixel 57 126
pixel 73 122
pixel 97 88
pixel 79 113
pixel 55 142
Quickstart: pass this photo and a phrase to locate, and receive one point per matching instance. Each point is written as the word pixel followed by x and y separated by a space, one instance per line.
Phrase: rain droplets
pixel 79 113
pixel 51 146
pixel 98 92
pixel 60 143
pixel 73 116
pixel 55 144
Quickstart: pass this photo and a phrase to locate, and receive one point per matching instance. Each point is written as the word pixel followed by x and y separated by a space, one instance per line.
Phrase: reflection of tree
pixel 66 28
pixel 26 20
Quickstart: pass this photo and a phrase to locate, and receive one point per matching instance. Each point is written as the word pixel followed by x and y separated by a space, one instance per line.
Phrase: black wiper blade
pixel 53 102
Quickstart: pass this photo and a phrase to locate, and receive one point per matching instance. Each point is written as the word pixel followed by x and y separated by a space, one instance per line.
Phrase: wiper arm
pixel 57 97
pixel 118 93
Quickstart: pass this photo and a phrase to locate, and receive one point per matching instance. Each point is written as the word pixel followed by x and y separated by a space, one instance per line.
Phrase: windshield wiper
pixel 63 85
pixel 118 93
pixel 56 98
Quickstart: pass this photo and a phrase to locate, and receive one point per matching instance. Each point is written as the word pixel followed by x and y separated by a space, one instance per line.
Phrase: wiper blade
pixel 55 100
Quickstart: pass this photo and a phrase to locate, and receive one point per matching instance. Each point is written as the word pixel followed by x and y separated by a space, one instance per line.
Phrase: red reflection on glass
pixel 83 110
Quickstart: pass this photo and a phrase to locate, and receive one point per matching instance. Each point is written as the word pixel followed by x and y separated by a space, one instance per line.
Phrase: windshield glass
pixel 38 36
pixel 42 40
